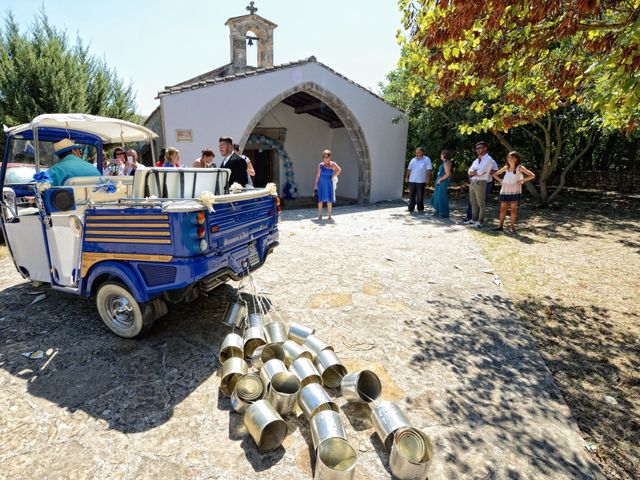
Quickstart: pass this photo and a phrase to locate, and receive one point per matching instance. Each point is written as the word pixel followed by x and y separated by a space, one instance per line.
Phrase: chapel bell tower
pixel 239 39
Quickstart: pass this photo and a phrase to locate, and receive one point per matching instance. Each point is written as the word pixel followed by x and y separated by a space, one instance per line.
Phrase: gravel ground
pixel 402 295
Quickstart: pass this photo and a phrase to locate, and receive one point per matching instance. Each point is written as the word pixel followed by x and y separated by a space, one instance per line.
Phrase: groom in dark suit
pixel 232 161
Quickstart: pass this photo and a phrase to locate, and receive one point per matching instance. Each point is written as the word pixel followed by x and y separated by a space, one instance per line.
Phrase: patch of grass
pixel 574 274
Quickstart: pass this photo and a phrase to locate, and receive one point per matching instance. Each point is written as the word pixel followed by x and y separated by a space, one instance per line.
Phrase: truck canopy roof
pixel 110 130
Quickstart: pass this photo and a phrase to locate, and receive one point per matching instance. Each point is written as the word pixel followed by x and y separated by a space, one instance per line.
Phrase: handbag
pixel 315 196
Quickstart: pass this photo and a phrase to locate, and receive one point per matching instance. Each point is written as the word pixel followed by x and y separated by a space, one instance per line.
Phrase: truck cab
pixel 131 243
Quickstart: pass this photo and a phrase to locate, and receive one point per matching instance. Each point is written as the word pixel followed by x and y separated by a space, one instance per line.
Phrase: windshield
pixel 21 164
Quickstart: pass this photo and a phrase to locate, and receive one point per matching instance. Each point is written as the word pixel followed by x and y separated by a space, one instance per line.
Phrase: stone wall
pixel 628 182
pixel 154 123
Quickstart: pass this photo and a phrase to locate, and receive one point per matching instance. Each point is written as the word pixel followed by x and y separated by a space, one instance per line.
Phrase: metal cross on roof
pixel 251 8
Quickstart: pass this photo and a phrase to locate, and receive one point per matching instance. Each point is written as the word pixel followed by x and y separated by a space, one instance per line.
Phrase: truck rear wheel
pixel 120 311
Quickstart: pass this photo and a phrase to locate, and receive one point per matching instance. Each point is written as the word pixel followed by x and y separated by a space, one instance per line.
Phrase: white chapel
pixel 283 116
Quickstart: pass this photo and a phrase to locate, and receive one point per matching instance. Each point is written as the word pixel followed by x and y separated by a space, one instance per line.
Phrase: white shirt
pixel 224 161
pixel 419 169
pixel 483 166
pixel 128 169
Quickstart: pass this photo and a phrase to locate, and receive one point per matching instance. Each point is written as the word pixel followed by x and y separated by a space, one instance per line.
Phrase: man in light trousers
pixel 479 175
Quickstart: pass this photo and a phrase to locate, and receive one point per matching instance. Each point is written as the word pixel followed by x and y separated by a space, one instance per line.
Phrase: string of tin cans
pixel 289 365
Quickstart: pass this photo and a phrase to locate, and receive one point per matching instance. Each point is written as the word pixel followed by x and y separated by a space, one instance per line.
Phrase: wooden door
pixel 262 161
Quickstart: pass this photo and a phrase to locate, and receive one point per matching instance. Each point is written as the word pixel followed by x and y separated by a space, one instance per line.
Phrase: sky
pixel 154 43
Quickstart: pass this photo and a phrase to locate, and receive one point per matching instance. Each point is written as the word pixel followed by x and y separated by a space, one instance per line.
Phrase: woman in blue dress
pixel 327 171
pixel 440 198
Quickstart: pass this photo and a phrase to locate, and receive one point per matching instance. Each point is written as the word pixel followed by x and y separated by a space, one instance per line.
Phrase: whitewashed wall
pixel 227 108
pixel 344 154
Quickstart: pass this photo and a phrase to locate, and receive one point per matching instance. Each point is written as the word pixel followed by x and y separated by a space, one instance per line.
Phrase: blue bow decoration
pixel 42 177
pixel 106 186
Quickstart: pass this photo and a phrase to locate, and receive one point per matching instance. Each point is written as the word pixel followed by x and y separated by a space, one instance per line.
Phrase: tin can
pixel 298 332
pixel 293 351
pixel 269 369
pixel 265 425
pixel 231 371
pixel 276 332
pixel 305 370
pixel 255 320
pixel 313 399
pixel 234 315
pixel 267 352
pixel 249 389
pixel 315 345
pixel 232 346
pixel 283 392
pixel 324 425
pixel 361 387
pixel 411 454
pixel 336 460
pixel 330 368
pixel 253 338
pixel 387 418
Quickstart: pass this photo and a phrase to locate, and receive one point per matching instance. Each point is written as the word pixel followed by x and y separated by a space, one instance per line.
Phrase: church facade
pixel 283 116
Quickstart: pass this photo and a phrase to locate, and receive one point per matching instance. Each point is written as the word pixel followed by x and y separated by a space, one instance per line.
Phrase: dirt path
pixel 399 294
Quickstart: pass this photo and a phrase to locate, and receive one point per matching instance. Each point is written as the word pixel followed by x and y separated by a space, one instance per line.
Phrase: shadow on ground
pixel 601 212
pixel 498 375
pixel 587 331
pixel 593 361
pixel 132 384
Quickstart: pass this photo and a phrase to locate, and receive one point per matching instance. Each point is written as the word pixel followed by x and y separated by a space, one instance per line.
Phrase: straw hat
pixel 65 145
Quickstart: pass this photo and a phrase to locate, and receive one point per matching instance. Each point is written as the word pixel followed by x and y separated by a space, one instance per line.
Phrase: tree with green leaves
pixel 40 72
pixel 537 65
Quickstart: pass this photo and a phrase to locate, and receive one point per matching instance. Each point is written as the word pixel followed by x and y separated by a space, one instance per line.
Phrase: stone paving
pixel 402 295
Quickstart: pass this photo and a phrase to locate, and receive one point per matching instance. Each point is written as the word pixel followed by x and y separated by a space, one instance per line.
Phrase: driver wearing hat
pixel 70 164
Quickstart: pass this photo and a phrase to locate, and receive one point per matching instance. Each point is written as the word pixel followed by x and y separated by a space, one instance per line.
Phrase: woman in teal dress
pixel 440 198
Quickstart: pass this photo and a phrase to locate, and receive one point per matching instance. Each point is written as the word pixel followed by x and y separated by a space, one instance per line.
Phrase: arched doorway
pixel 348 137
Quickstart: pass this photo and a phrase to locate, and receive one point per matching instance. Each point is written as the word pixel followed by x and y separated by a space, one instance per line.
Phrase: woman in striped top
pixel 515 175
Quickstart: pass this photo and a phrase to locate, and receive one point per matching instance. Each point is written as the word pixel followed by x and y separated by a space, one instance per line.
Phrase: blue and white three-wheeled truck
pixel 133 243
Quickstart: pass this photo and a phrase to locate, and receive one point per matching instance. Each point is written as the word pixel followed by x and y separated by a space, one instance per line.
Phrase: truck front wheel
pixel 120 312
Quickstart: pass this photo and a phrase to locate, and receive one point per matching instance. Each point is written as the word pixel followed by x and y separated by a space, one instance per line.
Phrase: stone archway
pixel 346 116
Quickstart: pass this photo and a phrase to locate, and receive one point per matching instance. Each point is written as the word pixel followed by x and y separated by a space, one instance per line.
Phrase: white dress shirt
pixel 482 165
pixel 419 167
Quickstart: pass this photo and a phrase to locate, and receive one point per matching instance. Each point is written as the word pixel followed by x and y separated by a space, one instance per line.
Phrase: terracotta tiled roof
pixel 208 79
pixel 205 76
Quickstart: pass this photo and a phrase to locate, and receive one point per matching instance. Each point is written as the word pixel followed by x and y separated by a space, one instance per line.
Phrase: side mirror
pixel 9 202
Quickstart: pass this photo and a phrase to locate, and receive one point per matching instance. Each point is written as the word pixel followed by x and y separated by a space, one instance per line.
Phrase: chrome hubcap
pixel 120 311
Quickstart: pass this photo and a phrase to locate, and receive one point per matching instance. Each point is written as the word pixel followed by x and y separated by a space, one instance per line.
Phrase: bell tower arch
pixel 262 37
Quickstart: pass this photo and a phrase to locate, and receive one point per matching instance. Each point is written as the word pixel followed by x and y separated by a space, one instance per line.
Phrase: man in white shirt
pixel 418 175
pixel 132 162
pixel 479 176
pixel 494 169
